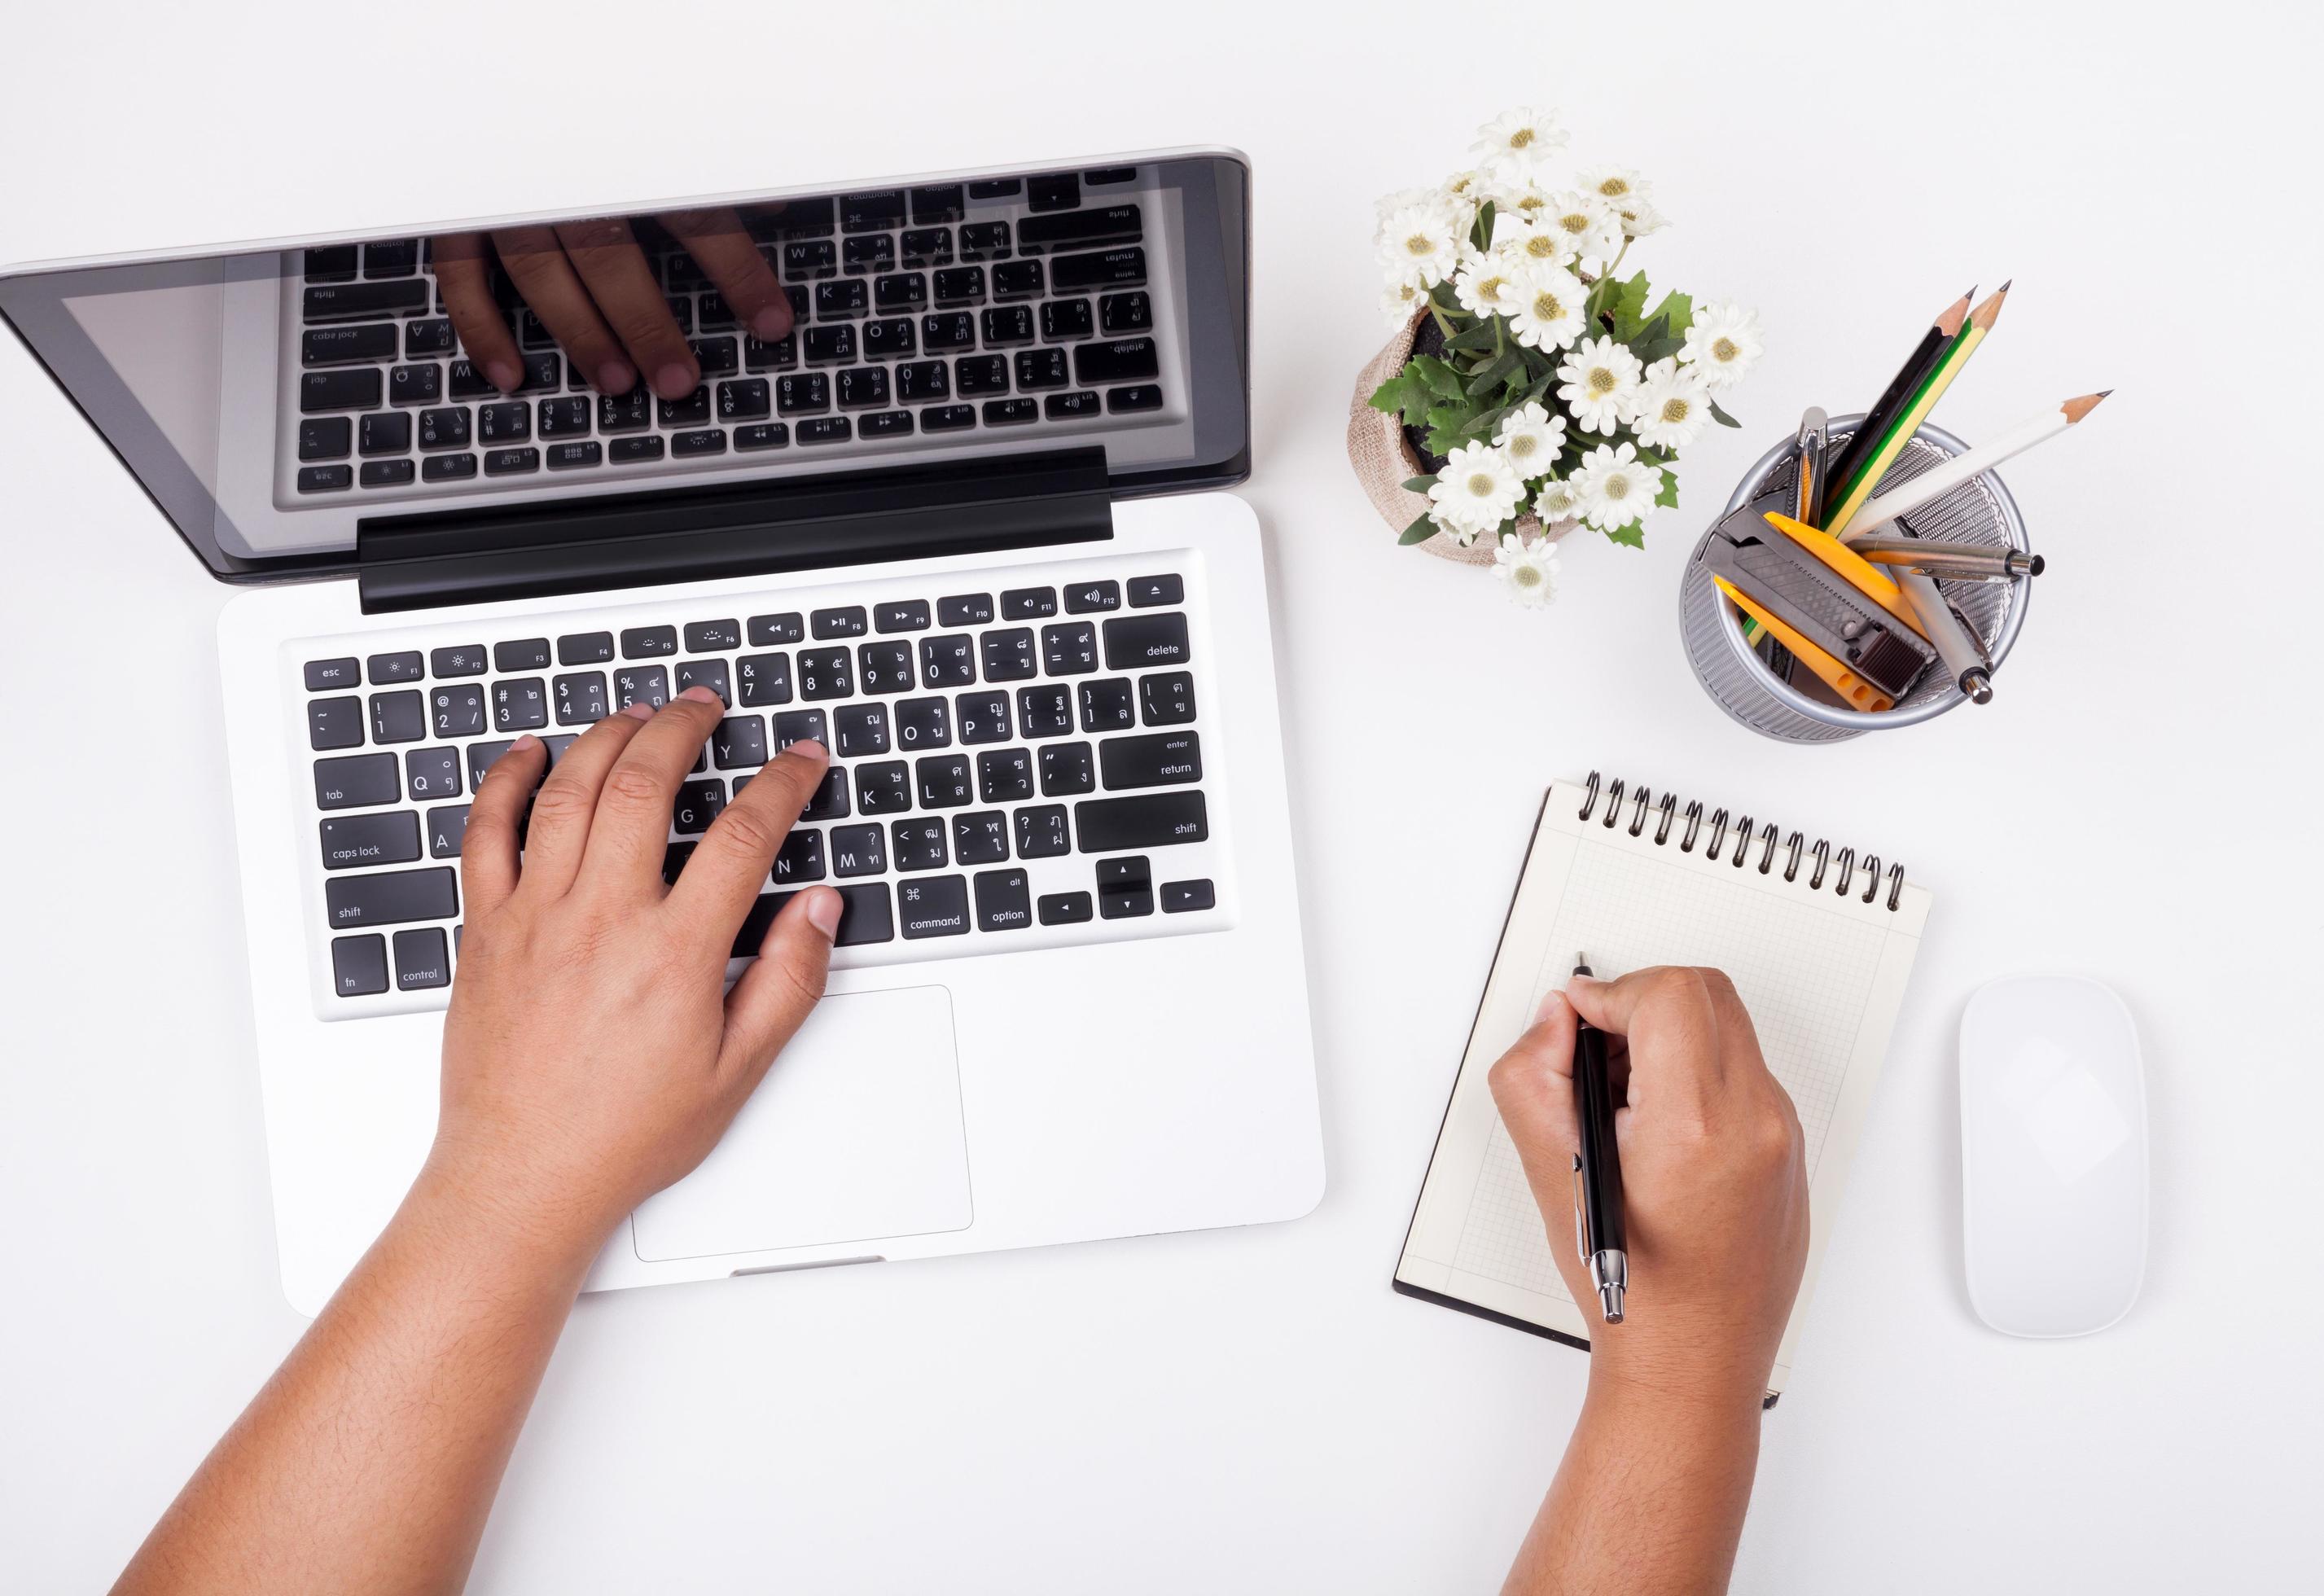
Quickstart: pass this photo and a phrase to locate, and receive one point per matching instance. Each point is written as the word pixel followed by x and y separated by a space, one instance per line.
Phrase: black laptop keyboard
pixel 936 313
pixel 1016 759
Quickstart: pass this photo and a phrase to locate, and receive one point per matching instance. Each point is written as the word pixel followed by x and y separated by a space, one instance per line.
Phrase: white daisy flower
pixel 1673 405
pixel 1549 313
pixel 1420 244
pixel 1459 193
pixel 1556 501
pixel 1387 205
pixel 1527 571
pixel 1598 379
pixel 1490 284
pixel 1530 437
pixel 1620 187
pixel 1640 219
pixel 1723 343
pixel 1400 300
pixel 1522 200
pixel 1537 244
pixel 1591 226
pixel 1477 491
pixel 1615 487
pixel 1514 142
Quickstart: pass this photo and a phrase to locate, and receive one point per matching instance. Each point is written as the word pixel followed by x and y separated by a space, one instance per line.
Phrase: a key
pixel 829 800
pixel 391 898
pixel 326 479
pixel 801 726
pixel 703 637
pixel 692 410
pixel 1084 597
pixel 432 335
pixel 982 718
pixel 404 666
pixel 393 258
pixel 580 699
pixel 1040 368
pixel 750 399
pixel 355 781
pixel 333 262
pixel 840 297
pixel 765 678
pixel 958 285
pixel 519 705
pixel 422 959
pixel 1004 900
pixel 1151 820
pixel 934 906
pixel 768 630
pixel 826 429
pixel 1116 360
pixel 448 469
pixel 1107 705
pixel 703 673
pixel 928 247
pixel 1182 897
pixel 431 773
pixel 625 412
pixel 1066 318
pixel 356 389
pixel 1135 642
pixel 871 211
pixel 641 684
pixel 480 757
pixel 1008 655
pixel 762 435
pixel 351 841
pixel 448 828
pixel 363 301
pixel 335 345
pixel 1006 323
pixel 564 418
pixel 918 845
pixel 457 711
pixel 859 850
pixel 847 620
pixel 943 781
pixel 1011 412
pixel 865 914
pixel 1045 711
pixel 585 648
pixel 918 382
pixel 334 723
pixel 1070 650
pixel 943 202
pixel 542 371
pixel 1142 396
pixel 1004 776
pixel 921 723
pixel 697 804
pixel 1066 771
pixel 397 717
pixel 979 838
pixel 1058 191
pixel 981 241
pixel 884 668
pixel 1065 909
pixel 415 385
pixel 947 418
pixel 964 609
pixel 863 387
pixel 329 437
pixel 1042 832
pixel 953 330
pixel 528 653
pixel 444 428
pixel 1016 280
pixel 358 964
pixel 1132 312
pixel 862 728
pixel 575 456
pixel 387 474
pixel 461 659
pixel 323 675
pixel 901 291
pixel 1029 604
pixel 648 643
pixel 512 462
pixel 469 382
pixel 779 355
pixel 717 357
pixel 1166 698
pixel 825 673
pixel 1146 592
pixel 1080 229
pixel 1159 759
pixel 740 743
pixel 947 660
pixel 810 257
pixel 900 615
pixel 1100 269
pixel 884 788
pixel 975 375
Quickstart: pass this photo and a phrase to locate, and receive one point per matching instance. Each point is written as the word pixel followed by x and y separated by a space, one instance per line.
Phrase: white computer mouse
pixel 2053 1156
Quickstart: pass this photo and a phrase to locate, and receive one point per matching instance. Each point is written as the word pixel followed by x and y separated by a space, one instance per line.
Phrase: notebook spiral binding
pixel 1667 812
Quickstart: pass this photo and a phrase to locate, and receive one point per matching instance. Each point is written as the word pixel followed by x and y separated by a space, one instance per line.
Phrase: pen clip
pixel 1580 1215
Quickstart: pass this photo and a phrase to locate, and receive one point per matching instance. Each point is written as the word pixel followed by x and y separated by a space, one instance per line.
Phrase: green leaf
pixel 1633 536
pixel 1480 336
pixel 1481 234
pixel 1445 300
pixel 1438 375
pixel 1668 497
pixel 1722 417
pixel 1628 307
pixel 1419 531
pixel 1500 366
pixel 1678 310
pixel 1403 392
pixel 1419 485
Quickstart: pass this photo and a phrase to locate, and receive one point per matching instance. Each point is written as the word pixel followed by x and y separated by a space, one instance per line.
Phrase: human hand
pixel 592 1055
pixel 1714 1177
pixel 599 296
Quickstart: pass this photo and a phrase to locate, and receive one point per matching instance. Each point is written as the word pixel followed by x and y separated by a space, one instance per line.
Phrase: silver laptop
pixel 928 469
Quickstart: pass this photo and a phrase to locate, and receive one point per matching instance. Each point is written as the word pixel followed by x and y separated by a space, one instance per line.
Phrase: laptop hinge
pixel 411 562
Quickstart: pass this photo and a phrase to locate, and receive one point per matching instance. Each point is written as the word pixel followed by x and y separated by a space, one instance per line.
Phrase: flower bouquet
pixel 1533 388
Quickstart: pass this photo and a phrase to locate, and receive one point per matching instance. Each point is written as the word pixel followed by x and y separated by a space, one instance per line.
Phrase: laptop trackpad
pixel 854 1135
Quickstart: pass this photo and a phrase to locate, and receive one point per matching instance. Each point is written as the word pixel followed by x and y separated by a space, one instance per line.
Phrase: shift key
pixel 1114 826
pixel 391 898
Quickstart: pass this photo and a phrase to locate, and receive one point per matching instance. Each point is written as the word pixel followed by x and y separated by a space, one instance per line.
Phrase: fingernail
pixel 809 748
pixel 641 710
pixel 702 694
pixel 771 322
pixel 823 908
pixel 523 742
pixel 616 376
pixel 673 381
pixel 505 377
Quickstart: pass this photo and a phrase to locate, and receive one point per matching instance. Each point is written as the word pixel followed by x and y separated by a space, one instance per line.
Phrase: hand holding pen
pixel 1714 1187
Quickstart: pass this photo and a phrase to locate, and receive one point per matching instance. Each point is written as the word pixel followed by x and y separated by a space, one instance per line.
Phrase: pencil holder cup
pixel 1979 511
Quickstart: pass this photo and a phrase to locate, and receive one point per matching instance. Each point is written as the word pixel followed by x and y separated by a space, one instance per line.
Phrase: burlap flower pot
pixel 1383 458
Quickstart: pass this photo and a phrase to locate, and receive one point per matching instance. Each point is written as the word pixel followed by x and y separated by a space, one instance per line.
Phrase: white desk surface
pixel 1256 1411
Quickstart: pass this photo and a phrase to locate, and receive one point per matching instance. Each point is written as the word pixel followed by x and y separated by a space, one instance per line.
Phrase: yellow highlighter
pixel 1853 690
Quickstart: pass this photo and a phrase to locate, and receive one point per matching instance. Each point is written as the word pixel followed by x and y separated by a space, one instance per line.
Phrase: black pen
pixel 1598 1171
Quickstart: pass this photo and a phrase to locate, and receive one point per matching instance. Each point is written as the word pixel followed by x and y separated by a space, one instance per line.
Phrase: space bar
pixel 1107 826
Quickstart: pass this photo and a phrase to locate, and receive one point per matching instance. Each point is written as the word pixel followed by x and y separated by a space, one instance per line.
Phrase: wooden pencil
pixel 1891 443
pixel 1898 394
pixel 1940 480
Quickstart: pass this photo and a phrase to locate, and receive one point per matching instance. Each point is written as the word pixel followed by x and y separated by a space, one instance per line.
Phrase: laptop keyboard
pixel 1017 759
pixel 945 313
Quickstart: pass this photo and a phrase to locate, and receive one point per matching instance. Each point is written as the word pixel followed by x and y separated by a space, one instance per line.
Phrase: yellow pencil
pixel 1887 449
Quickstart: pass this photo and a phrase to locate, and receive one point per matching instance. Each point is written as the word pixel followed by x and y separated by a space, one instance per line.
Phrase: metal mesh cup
pixel 1979 511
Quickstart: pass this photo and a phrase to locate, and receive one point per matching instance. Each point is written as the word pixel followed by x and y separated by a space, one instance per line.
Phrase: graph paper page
pixel 1823 976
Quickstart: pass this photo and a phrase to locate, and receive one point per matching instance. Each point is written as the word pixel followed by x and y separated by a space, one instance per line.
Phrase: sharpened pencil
pixel 1940 480
pixel 1896 395
pixel 1890 444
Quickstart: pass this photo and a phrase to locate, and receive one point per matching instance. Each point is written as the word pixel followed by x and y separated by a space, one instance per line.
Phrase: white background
pixel 1256 1411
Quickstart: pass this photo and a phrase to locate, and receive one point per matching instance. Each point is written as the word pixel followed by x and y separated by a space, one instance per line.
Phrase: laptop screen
pixel 272 400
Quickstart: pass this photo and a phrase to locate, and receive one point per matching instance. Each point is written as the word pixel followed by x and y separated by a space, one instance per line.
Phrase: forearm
pixel 1650 1499
pixel 369 1461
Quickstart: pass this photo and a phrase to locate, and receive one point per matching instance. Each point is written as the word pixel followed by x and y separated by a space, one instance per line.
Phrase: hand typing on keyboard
pixel 597 294
pixel 590 1055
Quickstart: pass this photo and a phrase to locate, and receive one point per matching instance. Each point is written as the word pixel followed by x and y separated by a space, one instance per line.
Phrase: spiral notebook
pixel 1820 943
